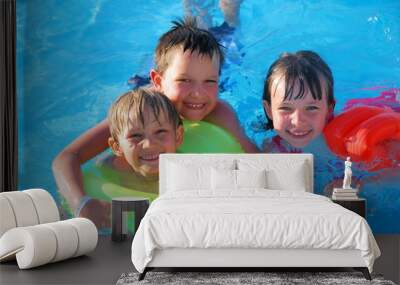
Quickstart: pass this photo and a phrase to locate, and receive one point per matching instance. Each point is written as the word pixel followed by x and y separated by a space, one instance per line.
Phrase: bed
pixel 246 211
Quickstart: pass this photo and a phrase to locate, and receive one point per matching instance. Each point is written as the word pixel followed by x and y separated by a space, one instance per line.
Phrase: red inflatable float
pixel 367 134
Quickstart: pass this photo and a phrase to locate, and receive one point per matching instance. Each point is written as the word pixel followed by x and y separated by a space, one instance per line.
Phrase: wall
pixel 70 69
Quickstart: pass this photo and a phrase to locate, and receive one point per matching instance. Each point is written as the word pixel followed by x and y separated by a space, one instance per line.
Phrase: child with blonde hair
pixel 143 124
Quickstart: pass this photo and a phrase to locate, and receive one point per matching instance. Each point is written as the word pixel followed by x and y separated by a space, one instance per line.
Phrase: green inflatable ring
pixel 100 183
pixel 203 137
pixel 199 137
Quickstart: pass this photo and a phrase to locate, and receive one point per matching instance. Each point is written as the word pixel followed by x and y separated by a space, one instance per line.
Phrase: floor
pixel 111 259
pixel 102 266
pixel 389 262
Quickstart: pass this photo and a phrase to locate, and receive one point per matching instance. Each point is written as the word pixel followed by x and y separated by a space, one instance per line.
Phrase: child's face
pixel 191 83
pixel 298 121
pixel 141 145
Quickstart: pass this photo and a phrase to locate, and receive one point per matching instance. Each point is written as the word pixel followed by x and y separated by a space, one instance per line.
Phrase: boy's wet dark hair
pixel 307 69
pixel 132 105
pixel 188 36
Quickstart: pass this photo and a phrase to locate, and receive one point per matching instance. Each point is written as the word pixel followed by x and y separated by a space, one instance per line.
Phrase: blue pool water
pixel 75 57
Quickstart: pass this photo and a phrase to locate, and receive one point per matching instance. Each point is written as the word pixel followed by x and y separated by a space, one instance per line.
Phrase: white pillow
pixel 182 177
pixel 281 175
pixel 226 179
pixel 185 174
pixel 288 178
pixel 251 178
pixel 223 179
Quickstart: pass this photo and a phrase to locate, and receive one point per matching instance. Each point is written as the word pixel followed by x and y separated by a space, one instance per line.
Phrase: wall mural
pixel 76 58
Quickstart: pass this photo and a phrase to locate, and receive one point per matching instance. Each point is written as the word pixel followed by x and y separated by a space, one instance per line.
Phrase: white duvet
pixel 253 218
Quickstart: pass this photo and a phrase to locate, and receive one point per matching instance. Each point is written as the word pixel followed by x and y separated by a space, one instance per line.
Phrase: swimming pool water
pixel 75 57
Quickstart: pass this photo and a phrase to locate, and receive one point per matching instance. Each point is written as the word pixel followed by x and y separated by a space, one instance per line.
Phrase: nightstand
pixel 357 206
pixel 120 208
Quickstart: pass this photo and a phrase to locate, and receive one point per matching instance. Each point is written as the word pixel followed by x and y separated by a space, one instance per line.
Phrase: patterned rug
pixel 269 278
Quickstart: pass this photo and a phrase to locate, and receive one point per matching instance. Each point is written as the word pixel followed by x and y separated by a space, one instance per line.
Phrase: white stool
pixel 30 230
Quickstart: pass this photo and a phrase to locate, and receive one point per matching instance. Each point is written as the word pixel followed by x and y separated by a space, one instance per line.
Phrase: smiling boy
pixel 187 70
pixel 191 82
pixel 143 125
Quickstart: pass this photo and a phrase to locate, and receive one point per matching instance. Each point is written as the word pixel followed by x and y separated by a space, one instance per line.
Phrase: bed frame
pixel 246 259
pixel 242 259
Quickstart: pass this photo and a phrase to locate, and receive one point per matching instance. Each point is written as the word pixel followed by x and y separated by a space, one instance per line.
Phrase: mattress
pixel 251 219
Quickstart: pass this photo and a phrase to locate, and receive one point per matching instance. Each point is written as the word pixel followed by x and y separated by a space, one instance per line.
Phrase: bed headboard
pixel 210 159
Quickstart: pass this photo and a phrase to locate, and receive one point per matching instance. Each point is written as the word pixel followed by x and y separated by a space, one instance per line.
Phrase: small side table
pixel 357 206
pixel 119 207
